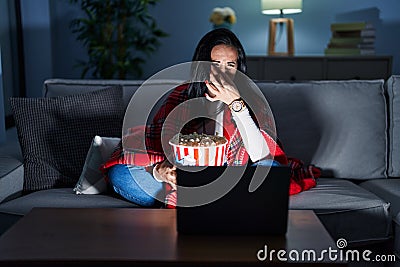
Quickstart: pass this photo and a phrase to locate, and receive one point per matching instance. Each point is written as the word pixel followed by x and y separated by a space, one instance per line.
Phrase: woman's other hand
pixel 166 172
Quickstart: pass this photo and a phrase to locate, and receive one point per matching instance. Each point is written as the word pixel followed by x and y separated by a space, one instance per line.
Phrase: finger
pixel 171 171
pixel 211 86
pixel 171 179
pixel 228 87
pixel 214 90
pixel 231 89
pixel 220 78
pixel 214 83
pixel 226 82
pixel 226 77
pixel 173 185
pixel 211 92
pixel 209 98
pixel 222 85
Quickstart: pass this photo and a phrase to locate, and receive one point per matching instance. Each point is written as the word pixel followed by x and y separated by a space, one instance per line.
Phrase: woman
pixel 142 182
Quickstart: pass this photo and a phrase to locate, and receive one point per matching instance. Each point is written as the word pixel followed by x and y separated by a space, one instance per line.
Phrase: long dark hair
pixel 249 91
pixel 203 53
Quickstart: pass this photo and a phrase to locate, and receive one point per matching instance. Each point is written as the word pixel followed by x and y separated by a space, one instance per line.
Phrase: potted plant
pixel 118 35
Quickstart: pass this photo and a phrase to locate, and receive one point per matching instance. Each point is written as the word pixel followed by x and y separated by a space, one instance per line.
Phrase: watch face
pixel 236 106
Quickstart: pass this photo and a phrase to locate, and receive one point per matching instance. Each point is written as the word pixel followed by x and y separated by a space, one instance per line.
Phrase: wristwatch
pixel 237 105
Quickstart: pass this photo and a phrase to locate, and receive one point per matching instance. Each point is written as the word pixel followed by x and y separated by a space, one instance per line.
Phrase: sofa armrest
pixel 11 177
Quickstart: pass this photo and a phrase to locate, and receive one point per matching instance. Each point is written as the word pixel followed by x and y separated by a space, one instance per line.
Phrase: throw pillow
pixel 55 133
pixel 92 180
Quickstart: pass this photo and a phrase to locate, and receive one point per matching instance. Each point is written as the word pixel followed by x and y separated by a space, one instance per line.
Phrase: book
pixel 362 46
pixel 352 40
pixel 355 33
pixel 351 26
pixel 349 51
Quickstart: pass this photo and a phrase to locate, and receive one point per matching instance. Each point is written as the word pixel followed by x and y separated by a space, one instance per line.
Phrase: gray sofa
pixel 350 129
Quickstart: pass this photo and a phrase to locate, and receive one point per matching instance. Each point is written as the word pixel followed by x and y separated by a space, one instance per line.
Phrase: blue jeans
pixel 135 184
pixel 267 162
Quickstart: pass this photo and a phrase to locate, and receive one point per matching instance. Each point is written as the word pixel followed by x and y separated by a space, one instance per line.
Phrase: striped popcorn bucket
pixel 200 155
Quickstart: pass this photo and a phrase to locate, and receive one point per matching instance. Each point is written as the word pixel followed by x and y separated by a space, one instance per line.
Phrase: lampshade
pixel 274 7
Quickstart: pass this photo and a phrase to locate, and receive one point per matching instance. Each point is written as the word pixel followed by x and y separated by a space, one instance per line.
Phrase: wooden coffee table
pixel 148 237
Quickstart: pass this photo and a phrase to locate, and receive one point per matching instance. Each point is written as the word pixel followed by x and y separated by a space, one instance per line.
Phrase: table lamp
pixel 281 7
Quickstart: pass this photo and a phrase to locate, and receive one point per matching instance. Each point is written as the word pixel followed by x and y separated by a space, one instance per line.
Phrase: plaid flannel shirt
pixel 142 145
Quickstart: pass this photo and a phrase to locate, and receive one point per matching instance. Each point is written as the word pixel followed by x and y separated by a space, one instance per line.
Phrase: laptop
pixel 216 200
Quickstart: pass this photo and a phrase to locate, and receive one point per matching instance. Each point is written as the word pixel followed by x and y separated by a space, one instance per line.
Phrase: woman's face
pixel 224 57
pixel 224 64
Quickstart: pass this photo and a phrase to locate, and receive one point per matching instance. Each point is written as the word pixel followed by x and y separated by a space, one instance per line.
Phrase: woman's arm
pixel 252 137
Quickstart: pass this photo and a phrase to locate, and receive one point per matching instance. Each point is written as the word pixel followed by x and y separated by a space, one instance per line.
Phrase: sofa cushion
pixel 55 133
pixel 92 179
pixel 61 198
pixel 340 126
pixel 393 90
pixel 344 207
pixel 386 189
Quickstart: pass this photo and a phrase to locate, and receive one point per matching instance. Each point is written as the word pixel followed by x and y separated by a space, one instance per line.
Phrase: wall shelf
pixel 295 68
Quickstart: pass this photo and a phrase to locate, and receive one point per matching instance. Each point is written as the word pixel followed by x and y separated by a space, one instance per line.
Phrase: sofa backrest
pixel 63 87
pixel 154 90
pixel 340 126
pixel 393 90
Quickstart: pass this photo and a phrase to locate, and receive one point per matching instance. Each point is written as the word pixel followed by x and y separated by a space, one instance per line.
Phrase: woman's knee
pixel 133 188
pixel 118 173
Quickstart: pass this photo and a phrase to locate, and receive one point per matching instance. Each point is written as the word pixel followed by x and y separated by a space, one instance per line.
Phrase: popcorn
pixel 196 139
